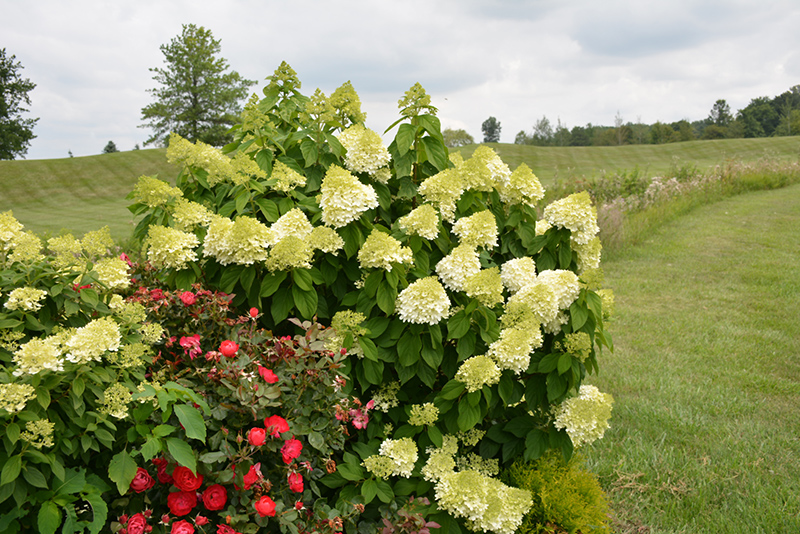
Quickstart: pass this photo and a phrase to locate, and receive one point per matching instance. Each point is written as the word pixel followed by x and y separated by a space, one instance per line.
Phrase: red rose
pixel 265 507
pixel 253 312
pixel 161 466
pixel 225 529
pixel 181 502
pixel 188 298
pixel 268 375
pixel 228 348
pixel 252 476
pixel 215 497
pixel 182 527
pixel 142 481
pixel 137 524
pixel 201 520
pixel 186 480
pixel 296 482
pixel 279 425
pixel 257 436
pixel 291 450
pixel 156 294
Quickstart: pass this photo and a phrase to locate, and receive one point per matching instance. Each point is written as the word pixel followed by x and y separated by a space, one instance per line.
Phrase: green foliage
pixel 567 498
pixel 197 98
pixel 16 132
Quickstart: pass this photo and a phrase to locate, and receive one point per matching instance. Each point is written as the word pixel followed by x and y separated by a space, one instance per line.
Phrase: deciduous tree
pixel 197 98
pixel 16 132
pixel 491 130
pixel 456 138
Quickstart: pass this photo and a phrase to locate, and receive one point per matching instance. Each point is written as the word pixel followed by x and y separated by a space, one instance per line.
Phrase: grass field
pixel 86 193
pixel 79 194
pixel 551 163
pixel 705 435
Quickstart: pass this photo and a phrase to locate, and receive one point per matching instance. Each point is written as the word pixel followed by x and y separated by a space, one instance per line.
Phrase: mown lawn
pixel 78 194
pixel 705 436
pixel 82 194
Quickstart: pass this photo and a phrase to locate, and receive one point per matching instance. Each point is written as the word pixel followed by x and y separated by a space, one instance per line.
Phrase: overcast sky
pixel 578 61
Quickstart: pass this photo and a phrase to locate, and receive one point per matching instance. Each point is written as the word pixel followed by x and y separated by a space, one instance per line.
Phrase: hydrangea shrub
pixel 468 319
pixel 71 353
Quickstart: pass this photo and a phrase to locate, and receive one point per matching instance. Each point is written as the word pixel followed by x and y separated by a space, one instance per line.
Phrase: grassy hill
pixel 82 194
pixel 79 194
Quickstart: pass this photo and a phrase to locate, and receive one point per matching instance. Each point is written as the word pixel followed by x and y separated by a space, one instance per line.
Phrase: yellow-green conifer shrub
pixel 566 496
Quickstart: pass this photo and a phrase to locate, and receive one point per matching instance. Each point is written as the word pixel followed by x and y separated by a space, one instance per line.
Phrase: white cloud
pixel 517 60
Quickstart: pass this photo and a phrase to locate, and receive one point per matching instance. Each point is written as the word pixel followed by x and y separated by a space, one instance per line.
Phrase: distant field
pixel 79 194
pixel 82 194
pixel 570 162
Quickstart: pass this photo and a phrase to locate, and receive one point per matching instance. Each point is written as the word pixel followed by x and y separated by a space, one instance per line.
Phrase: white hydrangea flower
pixel 477 372
pixel 486 503
pixel 522 187
pixel 423 302
pixel 293 222
pixel 422 221
pixel 477 230
pixel 586 416
pixel 565 284
pixel 513 349
pixel 113 273
pixel 456 267
pixel 403 452
pixel 365 150
pixel 170 248
pixel 38 355
pixel 518 273
pixel 91 341
pixel 380 251
pixel 575 213
pixel 343 198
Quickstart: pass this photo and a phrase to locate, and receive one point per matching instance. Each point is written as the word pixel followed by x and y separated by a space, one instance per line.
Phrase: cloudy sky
pixel 579 61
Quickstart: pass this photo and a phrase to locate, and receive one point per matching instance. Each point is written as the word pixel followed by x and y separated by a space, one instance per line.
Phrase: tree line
pixel 762 117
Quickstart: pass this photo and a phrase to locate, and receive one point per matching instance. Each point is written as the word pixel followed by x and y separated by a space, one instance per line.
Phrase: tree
pixel 720 114
pixel 197 98
pixel 522 138
pixel 110 148
pixel 759 117
pixel 16 132
pixel 491 130
pixel 542 132
pixel 580 136
pixel 456 138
